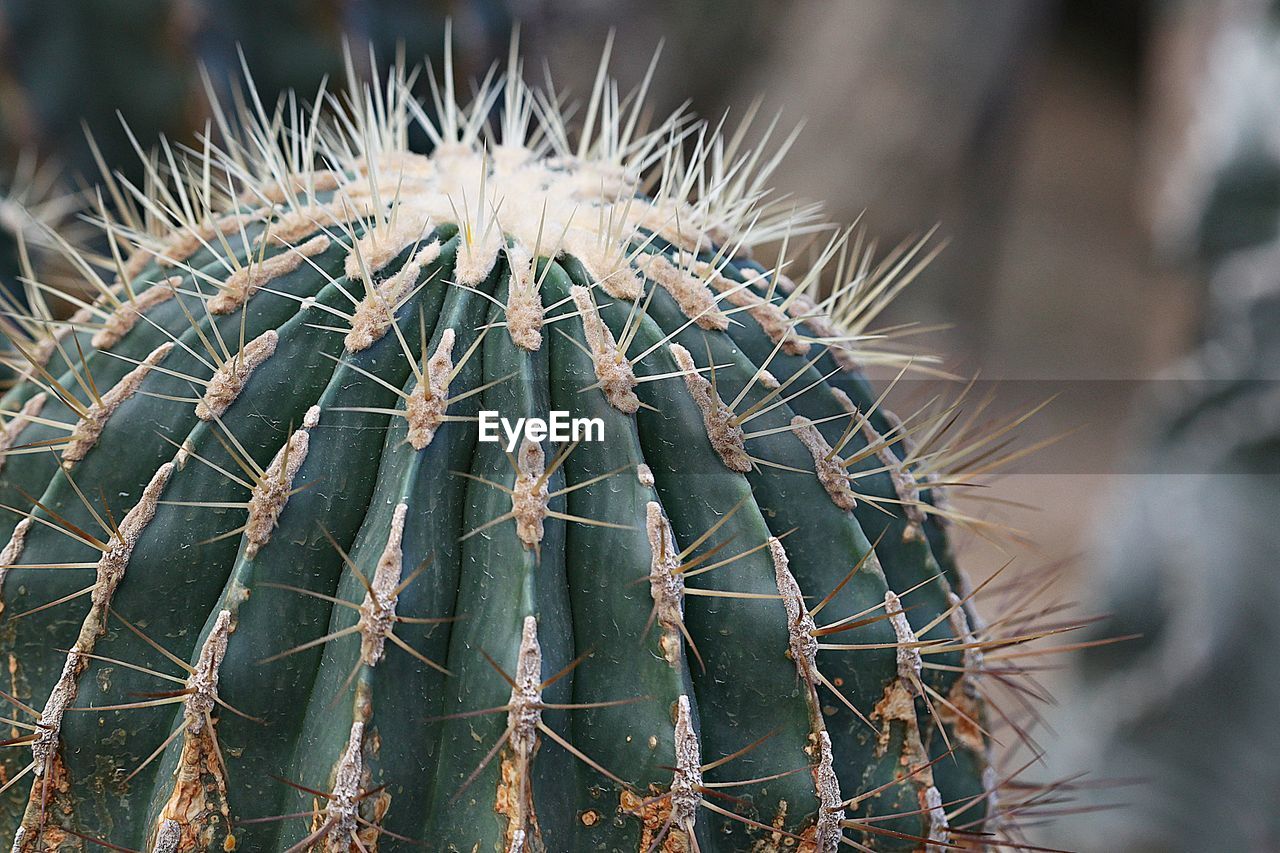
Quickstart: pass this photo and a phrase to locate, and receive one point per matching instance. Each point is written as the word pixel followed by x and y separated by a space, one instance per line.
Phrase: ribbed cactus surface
pixel 267 588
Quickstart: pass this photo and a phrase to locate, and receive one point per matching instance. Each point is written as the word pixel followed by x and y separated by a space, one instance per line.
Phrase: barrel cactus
pixel 270 582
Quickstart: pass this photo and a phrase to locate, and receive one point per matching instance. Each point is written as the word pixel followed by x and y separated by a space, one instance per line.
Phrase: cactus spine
pixel 264 589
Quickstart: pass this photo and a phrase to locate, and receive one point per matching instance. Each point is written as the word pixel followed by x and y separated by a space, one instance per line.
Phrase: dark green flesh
pixel 586 584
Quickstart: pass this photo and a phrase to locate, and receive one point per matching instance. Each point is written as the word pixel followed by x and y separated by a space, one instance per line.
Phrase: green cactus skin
pixel 266 590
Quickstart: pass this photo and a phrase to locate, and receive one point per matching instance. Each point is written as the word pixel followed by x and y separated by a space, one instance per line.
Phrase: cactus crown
pixel 266 589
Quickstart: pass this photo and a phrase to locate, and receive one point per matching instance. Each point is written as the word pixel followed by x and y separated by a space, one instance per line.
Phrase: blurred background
pixel 1107 174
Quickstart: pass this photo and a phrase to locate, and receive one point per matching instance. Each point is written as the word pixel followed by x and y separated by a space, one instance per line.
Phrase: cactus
pixel 267 588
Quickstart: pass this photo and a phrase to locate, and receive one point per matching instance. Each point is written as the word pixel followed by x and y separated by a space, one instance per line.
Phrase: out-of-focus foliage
pixel 1189 557
pixel 1187 711
pixel 1215 149
pixel 83 61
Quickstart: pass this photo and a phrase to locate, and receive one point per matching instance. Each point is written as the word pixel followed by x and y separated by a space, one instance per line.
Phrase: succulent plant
pixel 267 588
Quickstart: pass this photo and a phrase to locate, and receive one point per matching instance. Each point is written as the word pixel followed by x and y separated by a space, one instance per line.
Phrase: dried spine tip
pixel 611 365
pixel 425 408
pixel 376 311
pixel 378 610
pixel 13 429
pixel 126 316
pixel 726 436
pixel 230 378
pixel 271 492
pixel 826 463
pixel 242 284
pixel 530 497
pixel 685 796
pixel 90 427
pixel 690 292
pixel 524 303
pixel 666 583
